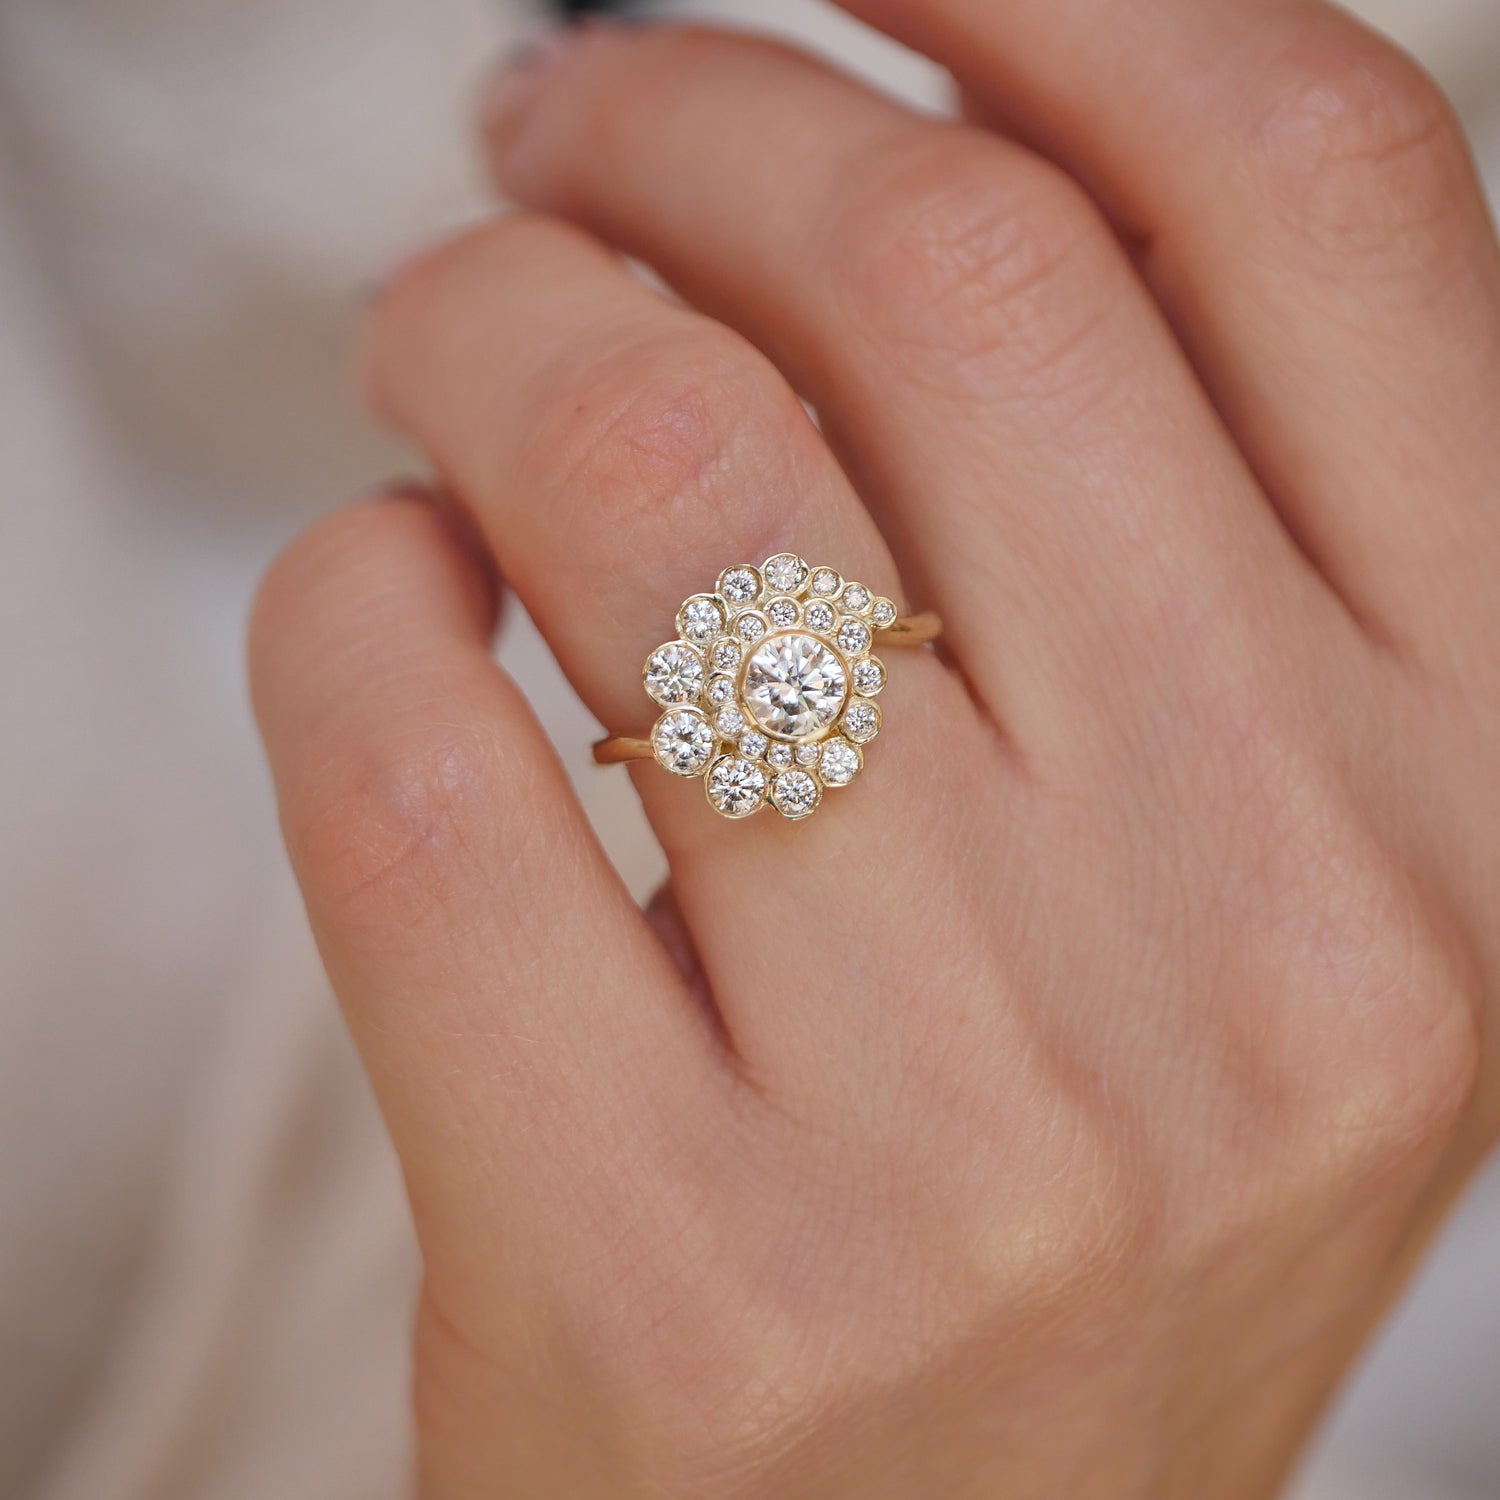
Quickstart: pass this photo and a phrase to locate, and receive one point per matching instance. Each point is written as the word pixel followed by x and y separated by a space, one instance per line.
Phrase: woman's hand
pixel 1055 1114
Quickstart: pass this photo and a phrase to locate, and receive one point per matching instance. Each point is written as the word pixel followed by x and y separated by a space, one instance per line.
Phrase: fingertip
pixel 323 558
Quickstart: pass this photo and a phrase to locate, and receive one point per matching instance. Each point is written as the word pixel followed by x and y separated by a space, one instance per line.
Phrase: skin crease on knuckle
pixel 978 277
pixel 381 833
pixel 1358 149
pixel 644 446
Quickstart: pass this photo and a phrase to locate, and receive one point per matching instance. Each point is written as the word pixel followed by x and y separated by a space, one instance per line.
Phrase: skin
pixel 1139 1026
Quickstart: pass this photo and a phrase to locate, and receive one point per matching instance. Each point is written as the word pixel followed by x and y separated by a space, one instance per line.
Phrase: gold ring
pixel 768 691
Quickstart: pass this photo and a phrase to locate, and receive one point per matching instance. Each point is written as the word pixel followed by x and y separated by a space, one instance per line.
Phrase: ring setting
pixel 767 692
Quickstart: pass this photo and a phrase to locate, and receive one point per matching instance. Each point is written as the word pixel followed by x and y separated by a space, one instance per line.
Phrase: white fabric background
pixel 204 1265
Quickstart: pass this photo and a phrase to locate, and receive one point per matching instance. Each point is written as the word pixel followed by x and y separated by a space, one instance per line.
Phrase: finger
pixel 512 1007
pixel 976 344
pixel 1310 216
pixel 619 452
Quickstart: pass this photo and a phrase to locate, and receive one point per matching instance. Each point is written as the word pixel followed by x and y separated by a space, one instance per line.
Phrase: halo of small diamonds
pixel 766 689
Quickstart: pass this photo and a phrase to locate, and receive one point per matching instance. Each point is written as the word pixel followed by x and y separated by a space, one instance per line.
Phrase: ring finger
pixel 619 452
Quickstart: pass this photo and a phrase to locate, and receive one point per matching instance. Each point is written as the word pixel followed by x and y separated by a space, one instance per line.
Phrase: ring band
pixel 768 690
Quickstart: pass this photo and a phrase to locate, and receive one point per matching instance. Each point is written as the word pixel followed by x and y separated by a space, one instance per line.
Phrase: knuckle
pixel 972 271
pixel 1410 1038
pixel 1357 1024
pixel 1374 1041
pixel 1358 143
pixel 381 843
pixel 645 445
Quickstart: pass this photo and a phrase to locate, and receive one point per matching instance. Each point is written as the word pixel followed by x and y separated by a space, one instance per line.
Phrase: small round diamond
pixel 674 674
pixel 883 612
pixel 786 571
pixel 735 786
pixel 862 721
pixel 720 690
pixel 750 627
pixel 730 721
pixel 725 656
pixel 782 612
pixel 819 616
pixel 794 793
pixel 854 637
pixel 807 755
pixel 869 677
pixel 752 744
pixel 825 583
pixel 840 762
pixel 794 686
pixel 683 742
pixel 700 620
pixel 740 586
pixel 780 754
pixel 856 597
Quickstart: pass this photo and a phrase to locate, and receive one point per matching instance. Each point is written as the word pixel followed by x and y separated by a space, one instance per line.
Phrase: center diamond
pixel 794 685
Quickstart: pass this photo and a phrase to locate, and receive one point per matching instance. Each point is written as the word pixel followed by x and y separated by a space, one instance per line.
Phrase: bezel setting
pixel 766 690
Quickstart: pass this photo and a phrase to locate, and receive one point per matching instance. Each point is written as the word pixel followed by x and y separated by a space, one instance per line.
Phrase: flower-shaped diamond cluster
pixel 768 691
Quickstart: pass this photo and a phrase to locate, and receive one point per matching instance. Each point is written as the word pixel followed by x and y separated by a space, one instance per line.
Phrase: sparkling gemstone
pixel 786 571
pixel 856 597
pixel 780 753
pixel 726 655
pixel 735 786
pixel 883 612
pixel 794 685
pixel 740 585
pixel 683 741
pixel 674 674
pixel 807 755
pixel 752 744
pixel 825 583
pixel 819 616
pixel 730 721
pixel 862 722
pixel 854 637
pixel 869 677
pixel 782 612
pixel 795 794
pixel 700 620
pixel 720 690
pixel 750 627
pixel 840 762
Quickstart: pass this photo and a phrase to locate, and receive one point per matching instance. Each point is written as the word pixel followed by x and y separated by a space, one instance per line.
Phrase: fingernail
pixel 514 86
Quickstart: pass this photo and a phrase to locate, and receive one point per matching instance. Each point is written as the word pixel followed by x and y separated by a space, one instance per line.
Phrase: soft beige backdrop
pixel 204 1265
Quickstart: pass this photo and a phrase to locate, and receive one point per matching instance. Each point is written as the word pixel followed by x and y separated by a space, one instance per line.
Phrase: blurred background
pixel 205 1269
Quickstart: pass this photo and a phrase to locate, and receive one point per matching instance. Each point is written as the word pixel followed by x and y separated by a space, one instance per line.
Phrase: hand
pixel 1055 1114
